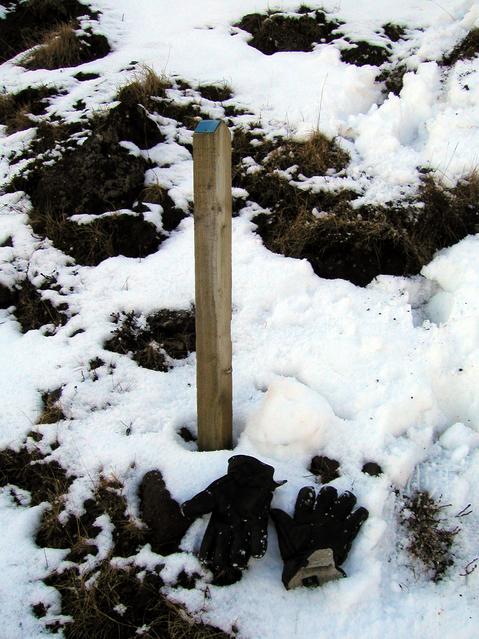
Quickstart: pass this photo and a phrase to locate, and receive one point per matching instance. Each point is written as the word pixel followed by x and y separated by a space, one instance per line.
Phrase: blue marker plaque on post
pixel 207 126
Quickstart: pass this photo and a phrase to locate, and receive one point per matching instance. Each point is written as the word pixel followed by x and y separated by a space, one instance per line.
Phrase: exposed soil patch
pixel 84 77
pixel 171 215
pixel 15 108
pixel 106 177
pixel 465 50
pixel 156 341
pixel 63 47
pixel 33 311
pixel 274 32
pixel 325 468
pixel 27 23
pixel 429 541
pixel 97 240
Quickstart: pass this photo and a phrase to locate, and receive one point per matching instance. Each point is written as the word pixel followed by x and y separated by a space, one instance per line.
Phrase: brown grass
pixel 153 193
pixel 61 48
pixel 146 85
pixel 52 411
pixel 116 603
pixel 13 116
pixel 314 156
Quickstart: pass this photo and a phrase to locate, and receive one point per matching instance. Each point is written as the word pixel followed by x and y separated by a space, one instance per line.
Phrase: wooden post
pixel 213 205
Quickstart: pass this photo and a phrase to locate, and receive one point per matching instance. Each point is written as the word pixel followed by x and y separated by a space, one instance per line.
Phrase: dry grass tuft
pixel 429 541
pixel 52 411
pixel 153 193
pixel 146 86
pixel 61 48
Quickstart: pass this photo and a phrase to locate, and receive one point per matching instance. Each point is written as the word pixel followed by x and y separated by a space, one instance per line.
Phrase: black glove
pixel 316 541
pixel 167 524
pixel 238 528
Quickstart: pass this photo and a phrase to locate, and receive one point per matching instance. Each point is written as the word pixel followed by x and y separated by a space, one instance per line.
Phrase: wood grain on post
pixel 213 206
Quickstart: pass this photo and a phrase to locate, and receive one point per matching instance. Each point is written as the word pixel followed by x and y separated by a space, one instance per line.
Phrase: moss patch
pixel 156 340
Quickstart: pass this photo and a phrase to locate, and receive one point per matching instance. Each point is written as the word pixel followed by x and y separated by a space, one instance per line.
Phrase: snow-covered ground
pixel 386 373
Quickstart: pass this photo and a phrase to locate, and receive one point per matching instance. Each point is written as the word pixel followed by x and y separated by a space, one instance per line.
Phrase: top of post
pixel 207 126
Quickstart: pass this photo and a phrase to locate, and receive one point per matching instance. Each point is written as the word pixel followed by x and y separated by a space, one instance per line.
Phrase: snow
pixel 387 373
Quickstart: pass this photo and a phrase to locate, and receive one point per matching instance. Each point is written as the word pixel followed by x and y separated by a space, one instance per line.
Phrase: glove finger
pixel 344 505
pixel 326 498
pixel 208 543
pixel 241 547
pixel 199 505
pixel 354 522
pixel 259 538
pixel 221 556
pixel 304 504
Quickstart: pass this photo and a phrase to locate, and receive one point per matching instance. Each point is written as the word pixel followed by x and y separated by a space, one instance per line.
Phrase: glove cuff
pixel 314 569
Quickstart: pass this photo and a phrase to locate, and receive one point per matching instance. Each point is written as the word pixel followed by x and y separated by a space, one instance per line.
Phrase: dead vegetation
pixel 342 241
pixel 52 411
pixel 120 604
pixel 63 47
pixel 104 602
pixel 155 341
pixel 429 541
pixel 27 23
pixel 16 109
pixel 314 156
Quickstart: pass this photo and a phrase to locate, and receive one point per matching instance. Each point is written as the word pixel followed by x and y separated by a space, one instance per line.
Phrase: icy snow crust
pixel 387 373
